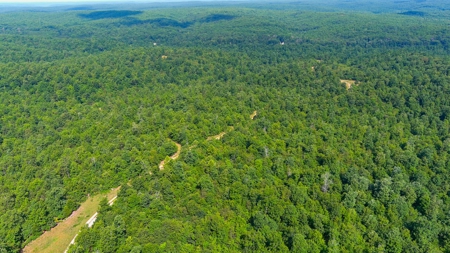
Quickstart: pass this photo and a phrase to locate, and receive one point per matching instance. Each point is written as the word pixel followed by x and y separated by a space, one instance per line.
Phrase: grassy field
pixel 58 238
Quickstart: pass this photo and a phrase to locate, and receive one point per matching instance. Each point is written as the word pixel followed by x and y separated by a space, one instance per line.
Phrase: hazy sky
pixel 50 1
pixel 46 1
pixel 56 1
pixel 93 1
pixel 87 1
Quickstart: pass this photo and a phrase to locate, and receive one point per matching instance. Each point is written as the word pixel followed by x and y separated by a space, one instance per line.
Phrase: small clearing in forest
pixel 253 115
pixel 59 237
pixel 348 83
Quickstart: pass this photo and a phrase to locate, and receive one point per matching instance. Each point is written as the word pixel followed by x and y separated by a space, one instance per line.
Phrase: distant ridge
pixel 80 8
pixel 414 13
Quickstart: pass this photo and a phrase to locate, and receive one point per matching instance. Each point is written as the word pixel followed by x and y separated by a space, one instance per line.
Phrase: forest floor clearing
pixel 60 236
pixel 348 83
pixel 219 136
pixel 173 157
pixel 253 115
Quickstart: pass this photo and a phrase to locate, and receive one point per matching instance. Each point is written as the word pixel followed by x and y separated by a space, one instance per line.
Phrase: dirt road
pixel 63 234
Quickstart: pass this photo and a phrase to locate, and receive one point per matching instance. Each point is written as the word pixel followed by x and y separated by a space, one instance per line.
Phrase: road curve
pixel 173 157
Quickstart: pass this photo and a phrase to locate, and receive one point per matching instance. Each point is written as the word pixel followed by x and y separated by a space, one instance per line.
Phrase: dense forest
pixel 349 150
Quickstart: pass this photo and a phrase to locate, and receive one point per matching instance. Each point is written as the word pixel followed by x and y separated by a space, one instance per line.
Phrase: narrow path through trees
pixel 219 136
pixel 173 157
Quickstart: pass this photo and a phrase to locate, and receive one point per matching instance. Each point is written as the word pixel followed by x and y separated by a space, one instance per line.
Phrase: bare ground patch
pixel 59 237
pixel 348 83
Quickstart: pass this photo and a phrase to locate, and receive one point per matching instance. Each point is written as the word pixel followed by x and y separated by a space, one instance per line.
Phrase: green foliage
pixel 320 168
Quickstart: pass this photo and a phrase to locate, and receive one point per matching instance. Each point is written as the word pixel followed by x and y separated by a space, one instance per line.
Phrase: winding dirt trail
pixel 216 137
pixel 219 136
pixel 253 115
pixel 173 157
pixel 58 237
